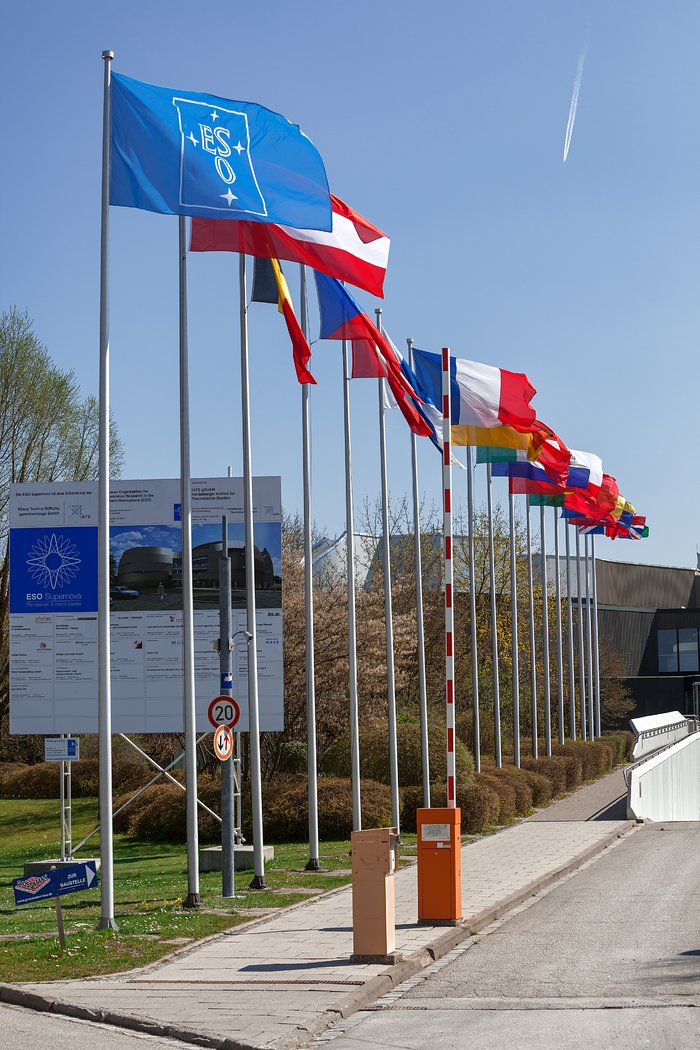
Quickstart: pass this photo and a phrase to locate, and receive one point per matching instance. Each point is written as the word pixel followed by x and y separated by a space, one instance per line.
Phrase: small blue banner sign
pixel 56 883
pixel 226 680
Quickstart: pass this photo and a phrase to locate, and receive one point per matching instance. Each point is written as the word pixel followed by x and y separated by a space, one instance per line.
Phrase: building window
pixel 668 650
pixel 687 649
pixel 678 650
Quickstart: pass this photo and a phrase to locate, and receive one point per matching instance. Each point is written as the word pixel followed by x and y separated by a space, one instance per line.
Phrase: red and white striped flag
pixel 355 250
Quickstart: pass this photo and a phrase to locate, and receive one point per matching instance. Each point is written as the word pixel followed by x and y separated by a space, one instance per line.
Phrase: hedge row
pixel 159 813
pixel 42 780
pixel 374 754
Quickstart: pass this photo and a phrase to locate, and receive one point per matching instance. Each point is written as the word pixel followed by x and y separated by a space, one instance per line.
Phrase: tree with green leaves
pixel 48 432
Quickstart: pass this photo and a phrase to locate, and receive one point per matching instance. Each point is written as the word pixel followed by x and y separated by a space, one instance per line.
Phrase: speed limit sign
pixel 223 711
pixel 223 742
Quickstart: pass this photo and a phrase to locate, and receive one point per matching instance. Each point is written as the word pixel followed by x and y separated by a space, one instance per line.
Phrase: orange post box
pixel 373 866
pixel 439 865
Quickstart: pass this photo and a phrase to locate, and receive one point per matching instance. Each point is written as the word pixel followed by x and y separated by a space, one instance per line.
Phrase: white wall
pixel 667 787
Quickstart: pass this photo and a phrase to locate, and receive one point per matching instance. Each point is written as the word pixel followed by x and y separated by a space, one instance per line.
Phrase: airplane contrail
pixel 574 101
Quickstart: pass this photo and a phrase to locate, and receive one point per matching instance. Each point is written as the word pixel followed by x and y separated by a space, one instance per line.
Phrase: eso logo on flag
pixel 216 170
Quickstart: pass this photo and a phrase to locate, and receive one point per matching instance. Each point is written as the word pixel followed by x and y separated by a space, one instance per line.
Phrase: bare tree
pixel 47 433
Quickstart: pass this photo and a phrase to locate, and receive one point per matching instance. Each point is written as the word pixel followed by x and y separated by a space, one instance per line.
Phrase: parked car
pixel 123 592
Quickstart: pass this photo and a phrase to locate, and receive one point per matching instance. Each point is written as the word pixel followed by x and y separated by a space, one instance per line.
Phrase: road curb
pixel 356 1000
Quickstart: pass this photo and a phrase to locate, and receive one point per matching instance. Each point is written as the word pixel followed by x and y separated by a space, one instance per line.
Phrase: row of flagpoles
pixel 174 153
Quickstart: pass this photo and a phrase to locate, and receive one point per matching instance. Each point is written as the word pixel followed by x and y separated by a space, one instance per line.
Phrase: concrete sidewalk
pixel 279 980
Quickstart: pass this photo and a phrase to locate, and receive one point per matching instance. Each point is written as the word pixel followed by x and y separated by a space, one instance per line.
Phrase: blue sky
pixel 445 126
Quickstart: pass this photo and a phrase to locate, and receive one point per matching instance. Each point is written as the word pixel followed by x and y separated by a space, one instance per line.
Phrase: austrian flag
pixel 355 250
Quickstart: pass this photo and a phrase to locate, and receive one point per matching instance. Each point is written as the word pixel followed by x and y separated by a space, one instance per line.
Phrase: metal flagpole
pixel 258 881
pixel 313 863
pixel 352 625
pixel 388 613
pixel 589 642
pixel 560 653
pixel 581 652
pixel 476 727
pixel 514 632
pixel 104 686
pixel 228 860
pixel 596 650
pixel 533 650
pixel 494 627
pixel 420 626
pixel 545 638
pixel 449 577
pixel 570 625
pixel 193 899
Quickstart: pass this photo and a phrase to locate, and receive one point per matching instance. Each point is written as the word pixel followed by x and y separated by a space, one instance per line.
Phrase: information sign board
pixel 61 749
pixel 53 603
pixel 56 883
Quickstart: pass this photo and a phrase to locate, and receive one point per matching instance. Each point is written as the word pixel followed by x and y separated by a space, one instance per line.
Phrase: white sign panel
pixel 61 749
pixel 435 833
pixel 53 603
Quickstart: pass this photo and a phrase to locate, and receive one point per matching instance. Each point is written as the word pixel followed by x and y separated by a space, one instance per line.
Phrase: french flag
pixel 355 250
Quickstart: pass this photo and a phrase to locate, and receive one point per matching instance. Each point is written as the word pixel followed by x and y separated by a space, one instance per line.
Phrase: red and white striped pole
pixel 449 577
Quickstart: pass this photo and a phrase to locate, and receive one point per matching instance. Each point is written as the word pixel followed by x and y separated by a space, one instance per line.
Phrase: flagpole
pixel 581 651
pixel 560 653
pixel 596 650
pixel 514 633
pixel 476 726
pixel 352 626
pixel 449 577
pixel 545 638
pixel 258 881
pixel 494 627
pixel 104 692
pixel 533 650
pixel 388 612
pixel 420 625
pixel 193 899
pixel 313 863
pixel 570 625
pixel 589 643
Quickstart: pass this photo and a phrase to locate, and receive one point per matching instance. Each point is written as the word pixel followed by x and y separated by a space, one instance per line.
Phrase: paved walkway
pixel 277 981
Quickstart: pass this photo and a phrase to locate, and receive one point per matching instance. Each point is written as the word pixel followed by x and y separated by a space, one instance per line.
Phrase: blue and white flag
pixel 184 153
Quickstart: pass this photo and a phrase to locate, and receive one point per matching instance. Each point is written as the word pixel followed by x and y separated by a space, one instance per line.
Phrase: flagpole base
pixel 107 924
pixel 258 883
pixel 313 864
pixel 192 900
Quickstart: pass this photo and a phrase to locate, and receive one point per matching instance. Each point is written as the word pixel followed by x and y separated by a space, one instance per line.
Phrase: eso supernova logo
pixel 53 562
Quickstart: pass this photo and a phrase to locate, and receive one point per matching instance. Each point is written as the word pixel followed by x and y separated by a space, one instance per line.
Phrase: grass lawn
pixel 150 881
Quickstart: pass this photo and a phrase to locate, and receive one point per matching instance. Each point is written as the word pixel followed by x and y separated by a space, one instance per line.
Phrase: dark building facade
pixel 650 615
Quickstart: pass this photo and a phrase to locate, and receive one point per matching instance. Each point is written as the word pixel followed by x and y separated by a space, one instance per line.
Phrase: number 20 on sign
pixel 223 742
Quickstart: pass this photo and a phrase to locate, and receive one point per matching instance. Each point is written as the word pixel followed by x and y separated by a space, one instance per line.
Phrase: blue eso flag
pixel 184 153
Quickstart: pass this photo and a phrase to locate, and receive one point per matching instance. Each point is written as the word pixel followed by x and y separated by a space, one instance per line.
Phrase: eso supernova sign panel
pixel 53 603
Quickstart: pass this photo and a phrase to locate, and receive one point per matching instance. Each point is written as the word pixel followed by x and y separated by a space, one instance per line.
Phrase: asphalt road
pixel 26 1030
pixel 610 956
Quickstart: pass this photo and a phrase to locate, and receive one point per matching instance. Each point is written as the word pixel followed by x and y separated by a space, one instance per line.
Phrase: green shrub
pixel 508 808
pixel 513 776
pixel 540 786
pixel 374 755
pixel 479 805
pixel 552 768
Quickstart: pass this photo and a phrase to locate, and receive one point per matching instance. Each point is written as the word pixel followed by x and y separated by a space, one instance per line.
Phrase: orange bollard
pixel 439 866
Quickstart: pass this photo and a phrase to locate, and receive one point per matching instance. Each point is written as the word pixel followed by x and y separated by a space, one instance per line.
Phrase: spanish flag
pixel 300 347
